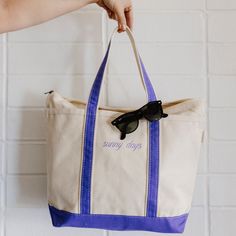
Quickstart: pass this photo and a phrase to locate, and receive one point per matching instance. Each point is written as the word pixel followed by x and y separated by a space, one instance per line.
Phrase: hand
pixel 119 10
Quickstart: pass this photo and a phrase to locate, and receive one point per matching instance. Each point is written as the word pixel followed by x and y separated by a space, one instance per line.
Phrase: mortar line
pixel 4 131
pixel 207 209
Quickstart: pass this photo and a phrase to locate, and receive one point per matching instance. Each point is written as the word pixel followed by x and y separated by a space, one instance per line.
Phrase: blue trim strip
pixel 152 197
pixel 85 195
pixel 148 84
pixel 175 224
pixel 153 172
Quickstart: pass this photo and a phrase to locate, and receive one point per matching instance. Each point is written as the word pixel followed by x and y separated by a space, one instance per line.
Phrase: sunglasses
pixel 128 122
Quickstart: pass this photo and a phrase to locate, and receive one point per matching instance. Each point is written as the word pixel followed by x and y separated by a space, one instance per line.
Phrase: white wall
pixel 189 49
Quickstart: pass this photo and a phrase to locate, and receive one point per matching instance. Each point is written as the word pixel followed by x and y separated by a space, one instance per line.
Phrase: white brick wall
pixel 189 49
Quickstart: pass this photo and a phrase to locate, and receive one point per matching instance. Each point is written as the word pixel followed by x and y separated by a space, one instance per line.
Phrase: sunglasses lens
pixel 152 111
pixel 132 126
pixel 153 116
pixel 128 127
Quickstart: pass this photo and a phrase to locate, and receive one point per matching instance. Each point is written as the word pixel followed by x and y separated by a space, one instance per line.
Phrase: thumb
pixel 119 11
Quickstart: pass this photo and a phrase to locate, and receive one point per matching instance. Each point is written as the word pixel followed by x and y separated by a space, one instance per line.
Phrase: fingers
pixel 129 17
pixel 119 11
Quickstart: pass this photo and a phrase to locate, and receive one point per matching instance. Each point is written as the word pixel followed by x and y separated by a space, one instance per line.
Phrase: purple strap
pixel 91 111
pixel 173 224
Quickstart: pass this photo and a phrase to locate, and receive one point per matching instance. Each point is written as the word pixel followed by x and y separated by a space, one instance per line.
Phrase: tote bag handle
pixel 94 96
pixel 90 128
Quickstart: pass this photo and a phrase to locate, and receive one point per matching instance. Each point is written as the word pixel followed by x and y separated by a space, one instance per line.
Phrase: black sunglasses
pixel 128 122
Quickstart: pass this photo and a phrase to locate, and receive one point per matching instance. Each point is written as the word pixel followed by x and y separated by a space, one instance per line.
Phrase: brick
pixel 26 191
pixel 223 222
pixel 162 59
pixel 222 124
pixel 199 196
pixel 221 4
pixel 26 158
pixel 167 88
pixel 222 91
pixel 71 86
pixel 26 124
pixel 220 25
pixel 1 58
pixel 195 225
pixel 1 163
pixel 222 59
pixel 202 164
pixel 180 87
pixel 222 156
pixel 1 91
pixel 1 197
pixel 61 58
pixel 222 191
pixel 1 222
pixel 1 123
pixel 166 27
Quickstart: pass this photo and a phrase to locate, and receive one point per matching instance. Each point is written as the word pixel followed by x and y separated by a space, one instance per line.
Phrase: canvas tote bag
pixel 144 182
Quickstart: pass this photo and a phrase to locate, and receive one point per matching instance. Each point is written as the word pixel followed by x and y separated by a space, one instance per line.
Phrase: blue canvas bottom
pixel 175 224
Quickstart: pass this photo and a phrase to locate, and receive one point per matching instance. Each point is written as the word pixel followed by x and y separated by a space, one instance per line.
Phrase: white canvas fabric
pixel 181 136
pixel 120 168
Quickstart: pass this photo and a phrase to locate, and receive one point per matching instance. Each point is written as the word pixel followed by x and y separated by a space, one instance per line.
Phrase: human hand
pixel 119 10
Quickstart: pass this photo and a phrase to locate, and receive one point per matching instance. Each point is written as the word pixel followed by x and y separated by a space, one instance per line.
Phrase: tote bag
pixel 144 182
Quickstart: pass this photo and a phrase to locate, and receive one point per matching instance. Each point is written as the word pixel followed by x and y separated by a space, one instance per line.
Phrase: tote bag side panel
pixel 64 160
pixel 119 176
pixel 180 144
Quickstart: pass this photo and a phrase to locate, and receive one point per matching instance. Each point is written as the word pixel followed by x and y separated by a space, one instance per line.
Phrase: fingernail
pixel 123 27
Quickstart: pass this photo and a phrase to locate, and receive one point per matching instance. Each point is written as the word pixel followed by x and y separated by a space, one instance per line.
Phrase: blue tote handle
pixel 89 132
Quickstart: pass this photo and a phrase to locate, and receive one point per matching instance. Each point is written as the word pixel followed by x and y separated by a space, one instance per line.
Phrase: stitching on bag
pixel 92 149
pixel 81 165
pixel 82 174
pixel 82 205
pixel 91 163
pixel 158 163
pixel 94 136
pixel 128 216
pixel 152 194
pixel 147 179
pixel 85 203
pixel 149 174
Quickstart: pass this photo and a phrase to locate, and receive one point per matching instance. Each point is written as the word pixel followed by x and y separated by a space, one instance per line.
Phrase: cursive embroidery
pixel 114 145
pixel 133 146
pixel 118 145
